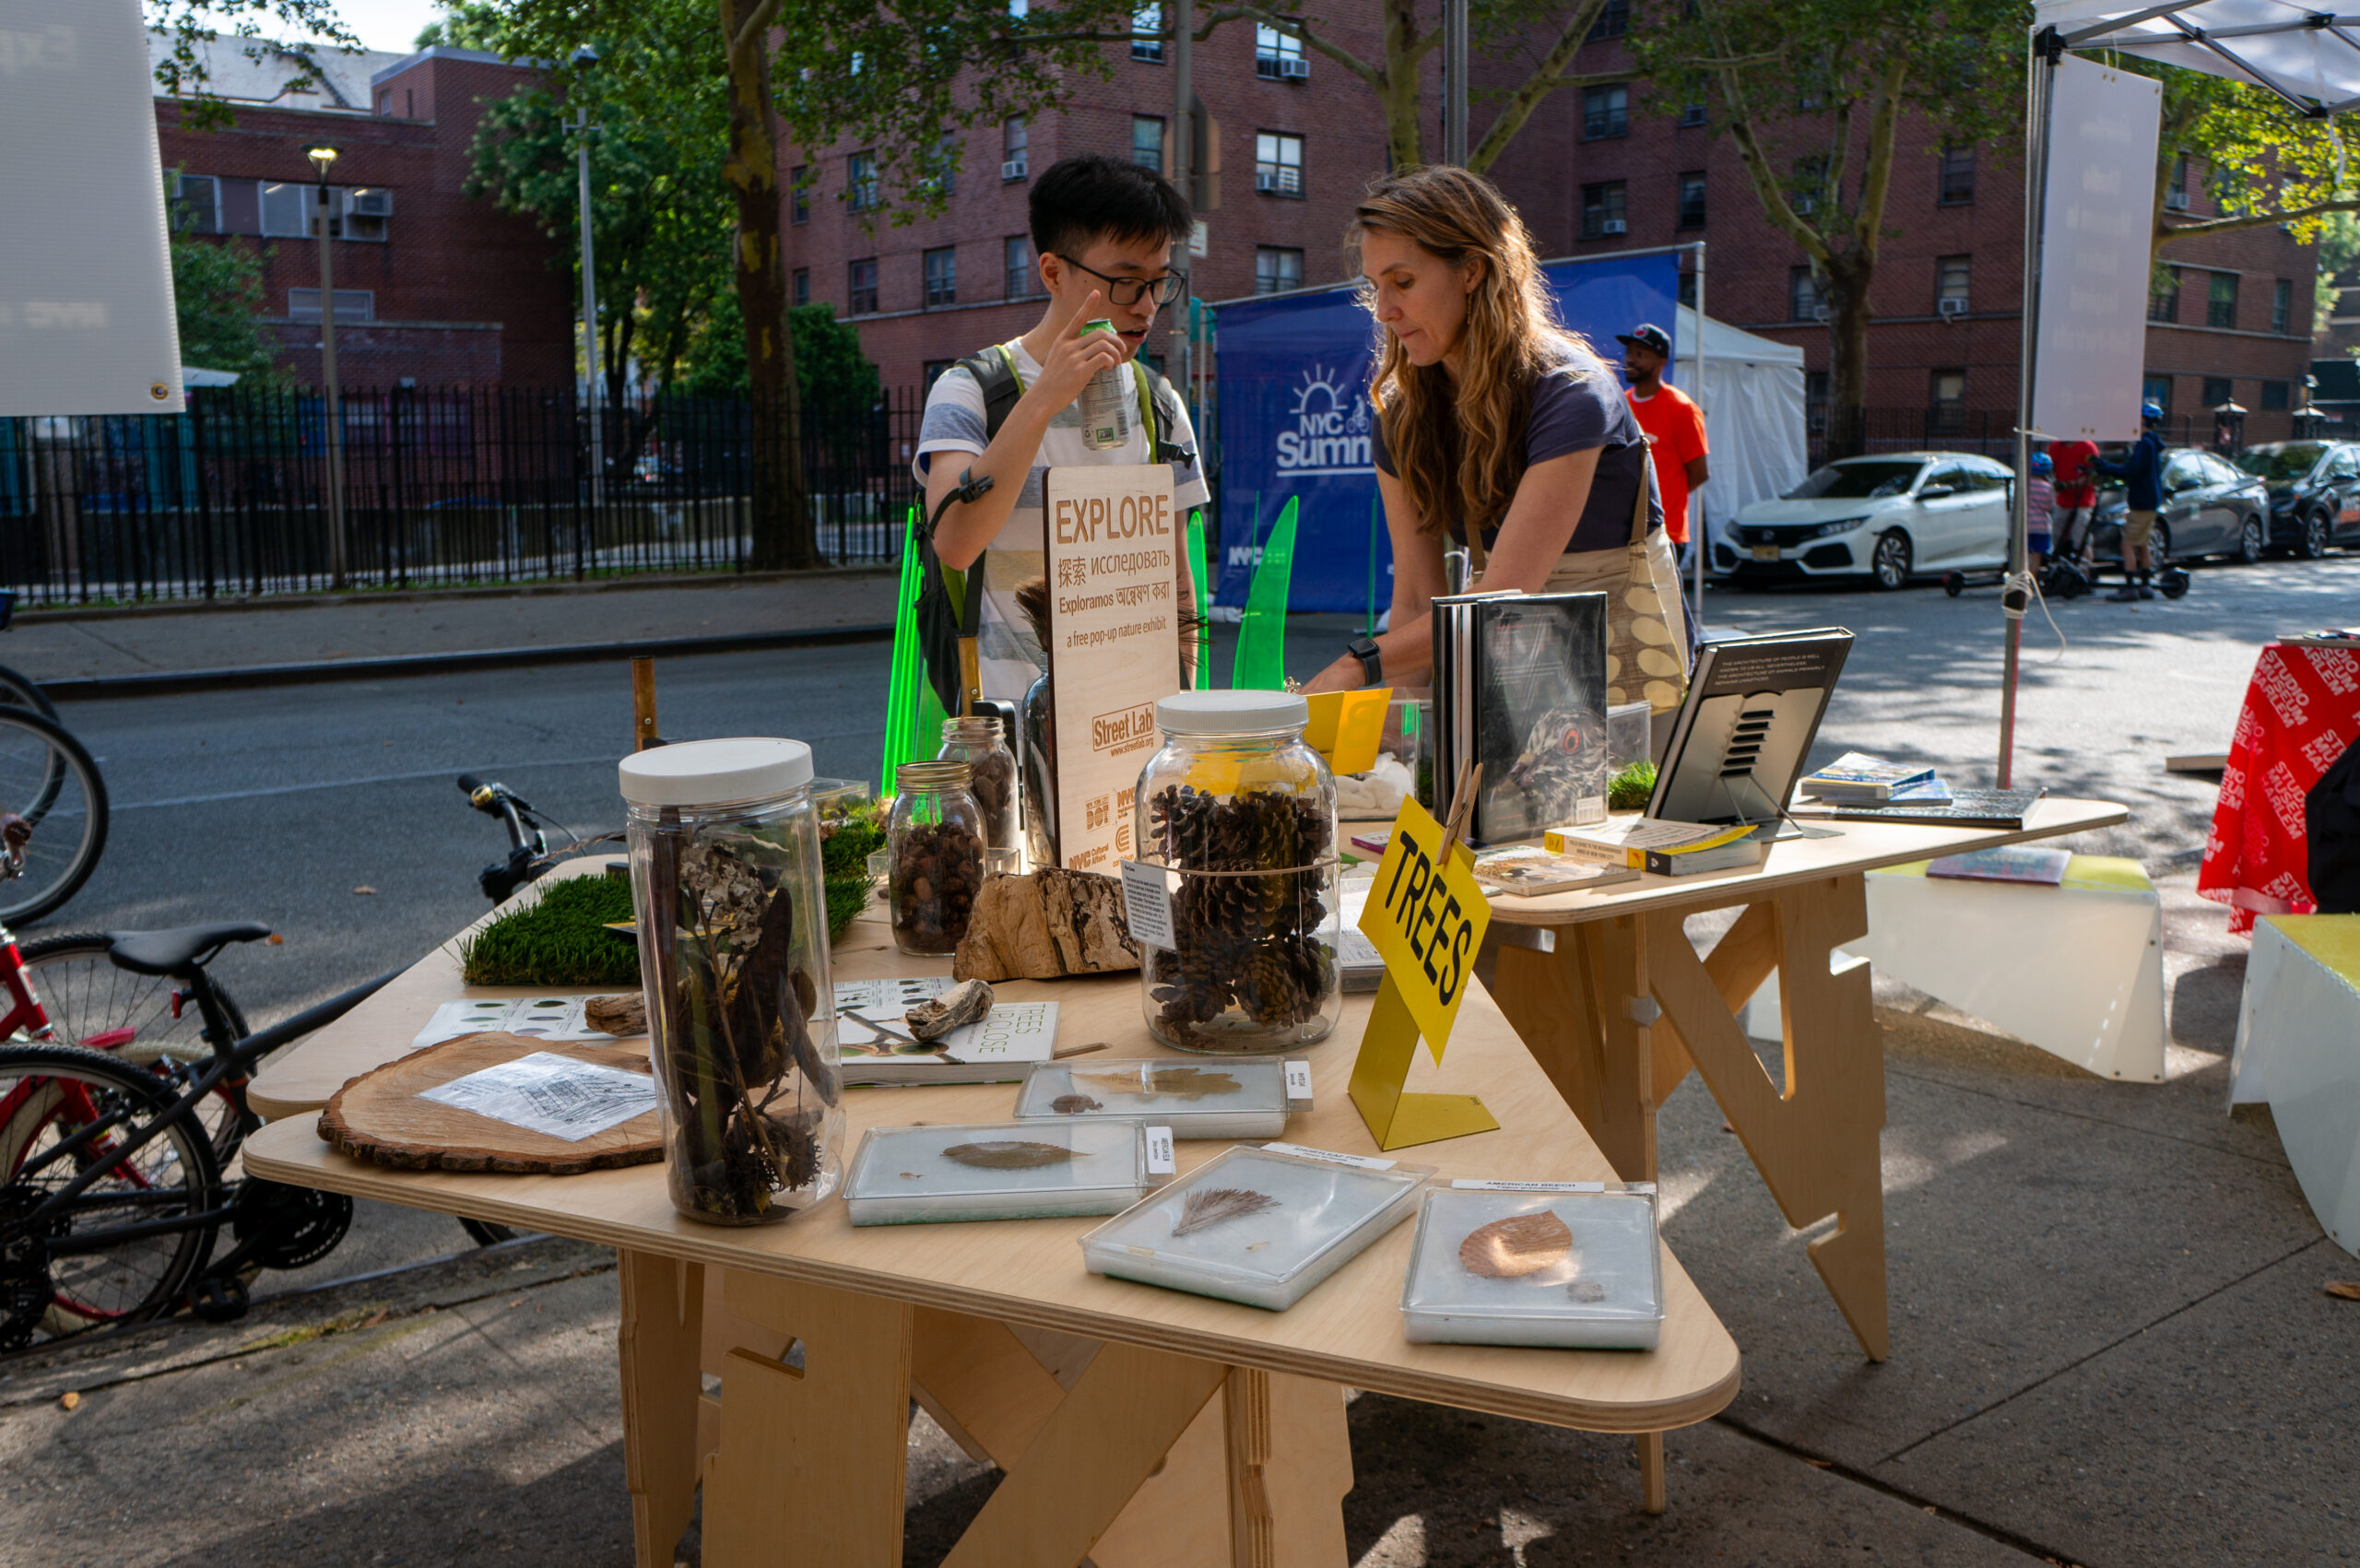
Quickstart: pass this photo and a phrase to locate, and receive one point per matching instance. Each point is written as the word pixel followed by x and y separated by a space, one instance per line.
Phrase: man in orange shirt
pixel 1675 426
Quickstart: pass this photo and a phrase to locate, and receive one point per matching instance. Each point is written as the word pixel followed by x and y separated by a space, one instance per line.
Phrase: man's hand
pixel 1074 360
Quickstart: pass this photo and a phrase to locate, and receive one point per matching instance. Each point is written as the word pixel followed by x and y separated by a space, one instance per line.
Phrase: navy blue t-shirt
pixel 1575 407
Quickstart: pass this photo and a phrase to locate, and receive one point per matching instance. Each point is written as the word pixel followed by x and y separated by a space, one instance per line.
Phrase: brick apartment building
pixel 1596 170
pixel 432 289
pixel 1298 138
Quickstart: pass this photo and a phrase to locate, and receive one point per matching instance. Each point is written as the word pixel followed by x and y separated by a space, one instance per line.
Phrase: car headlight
pixel 1843 526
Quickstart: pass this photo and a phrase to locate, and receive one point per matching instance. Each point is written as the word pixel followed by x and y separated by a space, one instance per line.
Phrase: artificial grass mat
pixel 560 938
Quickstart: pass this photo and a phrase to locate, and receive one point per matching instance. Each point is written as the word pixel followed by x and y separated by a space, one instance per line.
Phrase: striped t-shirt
pixel 954 423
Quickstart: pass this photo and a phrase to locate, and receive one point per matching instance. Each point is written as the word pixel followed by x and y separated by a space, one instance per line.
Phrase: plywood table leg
pixel 813 1460
pixel 1817 1142
pixel 1289 1464
pixel 1582 1011
pixel 663 1314
pixel 1651 1470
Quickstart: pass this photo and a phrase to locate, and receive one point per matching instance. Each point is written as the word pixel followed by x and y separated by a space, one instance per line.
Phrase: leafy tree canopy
pixel 218 298
pixel 837 380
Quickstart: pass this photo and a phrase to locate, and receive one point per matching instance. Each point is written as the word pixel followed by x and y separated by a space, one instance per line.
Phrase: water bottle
pixel 1106 402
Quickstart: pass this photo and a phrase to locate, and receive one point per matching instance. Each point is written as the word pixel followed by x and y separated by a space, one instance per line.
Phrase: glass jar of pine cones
pixel 1242 813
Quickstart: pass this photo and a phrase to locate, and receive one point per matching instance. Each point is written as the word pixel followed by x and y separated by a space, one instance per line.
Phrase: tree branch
pixel 1884 121
pixel 1545 78
pixel 1373 76
pixel 2257 220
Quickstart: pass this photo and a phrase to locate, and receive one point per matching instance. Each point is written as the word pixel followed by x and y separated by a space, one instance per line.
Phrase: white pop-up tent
pixel 2307 56
pixel 1753 399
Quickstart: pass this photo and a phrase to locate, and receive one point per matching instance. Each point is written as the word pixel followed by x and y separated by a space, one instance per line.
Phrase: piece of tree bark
pixel 1051 923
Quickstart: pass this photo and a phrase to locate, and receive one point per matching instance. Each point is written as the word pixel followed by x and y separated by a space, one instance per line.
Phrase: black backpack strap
pixel 1166 450
pixel 995 371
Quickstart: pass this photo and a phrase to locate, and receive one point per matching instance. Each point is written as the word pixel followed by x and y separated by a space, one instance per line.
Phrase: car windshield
pixel 2287 460
pixel 1857 481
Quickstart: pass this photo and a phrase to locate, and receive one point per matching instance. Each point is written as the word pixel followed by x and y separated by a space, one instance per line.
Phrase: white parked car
pixel 1888 516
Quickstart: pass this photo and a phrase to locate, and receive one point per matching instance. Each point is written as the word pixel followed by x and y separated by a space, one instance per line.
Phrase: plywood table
pixel 1135 1425
pixel 1617 1007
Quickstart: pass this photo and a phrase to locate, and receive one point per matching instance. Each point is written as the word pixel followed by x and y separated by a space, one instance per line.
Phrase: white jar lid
pixel 715 773
pixel 1232 713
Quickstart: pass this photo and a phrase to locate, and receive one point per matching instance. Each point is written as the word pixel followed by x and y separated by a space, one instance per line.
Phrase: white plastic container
pixel 1250 1097
pixel 1322 1209
pixel 907 1176
pixel 1604 1291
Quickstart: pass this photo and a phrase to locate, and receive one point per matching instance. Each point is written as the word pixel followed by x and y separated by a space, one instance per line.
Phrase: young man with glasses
pixel 1103 233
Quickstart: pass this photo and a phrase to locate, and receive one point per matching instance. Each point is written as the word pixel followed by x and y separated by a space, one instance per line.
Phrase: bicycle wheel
pixel 48 779
pixel 136 1019
pixel 21 691
pixel 51 1097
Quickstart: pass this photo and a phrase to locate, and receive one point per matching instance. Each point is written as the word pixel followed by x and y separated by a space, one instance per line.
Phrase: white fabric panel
pixel 85 284
pixel 1753 415
pixel 2304 61
pixel 2097 222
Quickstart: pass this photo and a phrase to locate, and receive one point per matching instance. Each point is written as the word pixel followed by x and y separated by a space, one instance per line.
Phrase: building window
pixel 1958 174
pixel 2274 398
pixel 864 287
pixel 941 277
pixel 286 209
pixel 1612 22
pixel 1011 149
pixel 1017 252
pixel 351 304
pixel 1691 116
pixel 1278 56
pixel 1278 164
pixel 1688 290
pixel 1147 141
pixel 1691 200
pixel 196 204
pixel 2282 304
pixel 944 177
pixel 2163 295
pixel 1147 19
pixel 1810 183
pixel 2157 390
pixel 2216 392
pixel 1802 295
pixel 1277 269
pixel 1951 274
pixel 1606 111
pixel 798 193
pixel 1602 211
pixel 1947 399
pixel 860 181
pixel 2220 307
pixel 2176 194
pixel 1816 402
pixel 802 295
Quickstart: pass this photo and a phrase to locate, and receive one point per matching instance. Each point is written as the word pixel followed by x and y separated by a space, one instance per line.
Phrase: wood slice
pixel 379 1116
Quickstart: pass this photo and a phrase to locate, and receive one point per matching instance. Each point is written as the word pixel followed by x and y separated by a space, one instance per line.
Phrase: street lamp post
pixel 324 159
pixel 584 58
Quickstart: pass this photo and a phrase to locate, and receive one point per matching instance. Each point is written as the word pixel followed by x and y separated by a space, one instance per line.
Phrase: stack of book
pixel 1856 788
pixel 1658 847
pixel 1520 687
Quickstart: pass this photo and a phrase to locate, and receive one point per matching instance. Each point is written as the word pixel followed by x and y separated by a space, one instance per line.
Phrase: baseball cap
pixel 1649 337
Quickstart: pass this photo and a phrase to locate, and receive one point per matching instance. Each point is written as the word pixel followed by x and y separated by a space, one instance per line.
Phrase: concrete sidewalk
pixel 168 639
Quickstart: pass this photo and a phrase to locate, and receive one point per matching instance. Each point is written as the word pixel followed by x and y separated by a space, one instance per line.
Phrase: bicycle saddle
pixel 180 951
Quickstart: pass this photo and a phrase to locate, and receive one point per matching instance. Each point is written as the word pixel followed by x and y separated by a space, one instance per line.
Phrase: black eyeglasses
pixel 1128 290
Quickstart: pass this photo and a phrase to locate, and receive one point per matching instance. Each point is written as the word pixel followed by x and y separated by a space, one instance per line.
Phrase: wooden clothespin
pixel 1462 802
pixel 643 706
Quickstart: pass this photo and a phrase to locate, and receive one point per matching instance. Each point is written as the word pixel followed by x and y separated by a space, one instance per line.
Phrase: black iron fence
pixel 441 488
pixel 1991 433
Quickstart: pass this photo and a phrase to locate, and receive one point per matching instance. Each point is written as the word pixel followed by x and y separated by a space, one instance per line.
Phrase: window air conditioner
pixel 1295 68
pixel 1614 226
pixel 1283 181
pixel 1693 114
pixel 1593 128
pixel 1012 170
pixel 374 202
pixel 1950 307
pixel 1819 313
pixel 2175 200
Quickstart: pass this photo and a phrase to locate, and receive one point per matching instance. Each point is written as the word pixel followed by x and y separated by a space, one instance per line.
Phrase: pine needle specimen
pixel 1211 1206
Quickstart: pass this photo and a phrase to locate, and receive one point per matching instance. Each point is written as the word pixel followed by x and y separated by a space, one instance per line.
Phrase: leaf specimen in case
pixel 1519 1244
pixel 1180 1084
pixel 1074 1104
pixel 1008 1155
pixel 1212 1206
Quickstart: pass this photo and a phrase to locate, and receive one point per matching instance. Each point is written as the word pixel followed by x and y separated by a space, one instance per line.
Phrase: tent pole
pixel 1696 541
pixel 2041 53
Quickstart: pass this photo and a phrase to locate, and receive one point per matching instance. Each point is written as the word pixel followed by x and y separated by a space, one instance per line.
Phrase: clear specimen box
pixel 1250 1097
pixel 1572 1264
pixel 1256 1224
pixel 1004 1171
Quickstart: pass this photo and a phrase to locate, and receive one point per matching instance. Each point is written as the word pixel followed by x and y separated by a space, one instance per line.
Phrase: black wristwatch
pixel 1372 662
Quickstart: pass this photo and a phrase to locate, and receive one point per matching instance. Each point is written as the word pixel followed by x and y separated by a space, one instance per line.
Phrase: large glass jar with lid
pixel 1242 813
pixel 934 857
pixel 733 950
pixel 978 741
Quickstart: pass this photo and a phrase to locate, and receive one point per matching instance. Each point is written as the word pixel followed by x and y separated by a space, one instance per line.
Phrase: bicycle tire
pixel 69 792
pixel 91 1003
pixel 121 1285
pixel 20 689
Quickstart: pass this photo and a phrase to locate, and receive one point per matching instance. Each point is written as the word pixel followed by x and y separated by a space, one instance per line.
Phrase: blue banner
pixel 1295 420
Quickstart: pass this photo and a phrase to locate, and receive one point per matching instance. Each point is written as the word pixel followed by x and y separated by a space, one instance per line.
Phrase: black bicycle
pixel 50 778
pixel 529 856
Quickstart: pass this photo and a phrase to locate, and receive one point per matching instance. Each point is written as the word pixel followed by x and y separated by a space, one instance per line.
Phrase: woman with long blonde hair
pixel 1500 430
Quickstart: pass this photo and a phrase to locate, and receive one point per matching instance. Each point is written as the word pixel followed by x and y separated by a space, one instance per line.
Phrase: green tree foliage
pixel 218 296
pixel 284 25
pixel 1813 94
pixel 2261 161
pixel 2339 243
pixel 836 379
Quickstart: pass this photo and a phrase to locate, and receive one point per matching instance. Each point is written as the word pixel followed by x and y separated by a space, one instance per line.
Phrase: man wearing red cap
pixel 1675 426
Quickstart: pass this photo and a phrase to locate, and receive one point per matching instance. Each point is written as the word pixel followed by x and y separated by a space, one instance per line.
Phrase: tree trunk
pixel 1405 134
pixel 782 526
pixel 1849 274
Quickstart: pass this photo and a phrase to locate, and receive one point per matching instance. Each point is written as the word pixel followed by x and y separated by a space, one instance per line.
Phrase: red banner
pixel 2301 711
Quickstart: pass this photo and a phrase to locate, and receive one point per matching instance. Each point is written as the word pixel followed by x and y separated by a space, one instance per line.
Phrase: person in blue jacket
pixel 2141 473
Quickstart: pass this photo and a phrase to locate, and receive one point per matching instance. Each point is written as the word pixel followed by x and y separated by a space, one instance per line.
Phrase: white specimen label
pixel 1362 1161
pixel 1147 904
pixel 1158 1153
pixel 1530 1186
pixel 1299 1082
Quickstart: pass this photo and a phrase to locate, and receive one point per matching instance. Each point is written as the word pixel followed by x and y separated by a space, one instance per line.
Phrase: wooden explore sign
pixel 1426 915
pixel 1114 644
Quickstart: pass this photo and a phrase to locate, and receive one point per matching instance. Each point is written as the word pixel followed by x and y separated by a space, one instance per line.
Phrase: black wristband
pixel 1372 661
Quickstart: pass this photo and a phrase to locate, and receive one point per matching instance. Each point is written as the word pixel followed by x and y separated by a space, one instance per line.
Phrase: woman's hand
pixel 1073 359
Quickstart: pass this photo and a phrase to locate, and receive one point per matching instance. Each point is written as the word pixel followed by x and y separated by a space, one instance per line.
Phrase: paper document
pixel 553 1095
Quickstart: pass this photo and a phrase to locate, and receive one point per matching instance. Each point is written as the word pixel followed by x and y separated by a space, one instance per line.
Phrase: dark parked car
pixel 2314 492
pixel 2211 508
